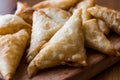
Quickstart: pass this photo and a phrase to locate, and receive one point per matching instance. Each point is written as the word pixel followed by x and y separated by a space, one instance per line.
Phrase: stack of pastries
pixel 55 32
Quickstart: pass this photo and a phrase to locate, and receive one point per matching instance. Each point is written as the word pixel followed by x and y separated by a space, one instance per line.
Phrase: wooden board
pixel 97 62
pixel 112 73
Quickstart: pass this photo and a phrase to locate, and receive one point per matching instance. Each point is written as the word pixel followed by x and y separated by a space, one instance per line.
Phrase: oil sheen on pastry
pixel 94 38
pixel 65 47
pixel 111 17
pixel 12 47
pixel 11 23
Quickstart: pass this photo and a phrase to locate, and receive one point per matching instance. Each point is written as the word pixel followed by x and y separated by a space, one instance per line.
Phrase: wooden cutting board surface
pixel 112 73
pixel 97 62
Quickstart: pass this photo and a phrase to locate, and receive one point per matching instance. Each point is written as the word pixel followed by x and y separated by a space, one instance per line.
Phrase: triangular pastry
pixel 20 6
pixel 65 47
pixel 10 24
pixel 64 4
pixel 44 27
pixel 95 39
pixel 25 12
pixel 50 16
pixel 103 26
pixel 57 14
pixel 11 50
pixel 111 17
pixel 84 5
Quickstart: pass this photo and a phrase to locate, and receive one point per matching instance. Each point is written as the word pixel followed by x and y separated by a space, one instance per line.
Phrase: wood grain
pixel 97 62
pixel 112 73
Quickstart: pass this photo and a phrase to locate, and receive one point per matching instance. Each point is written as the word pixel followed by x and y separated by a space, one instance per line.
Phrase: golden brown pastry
pixel 64 4
pixel 20 6
pixel 103 26
pixel 43 29
pixel 10 24
pixel 84 5
pixel 25 12
pixel 11 50
pixel 95 39
pixel 45 23
pixel 65 47
pixel 57 14
pixel 111 17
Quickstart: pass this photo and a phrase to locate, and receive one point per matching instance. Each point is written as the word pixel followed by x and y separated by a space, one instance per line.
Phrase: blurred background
pixel 9 6
pixel 112 73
